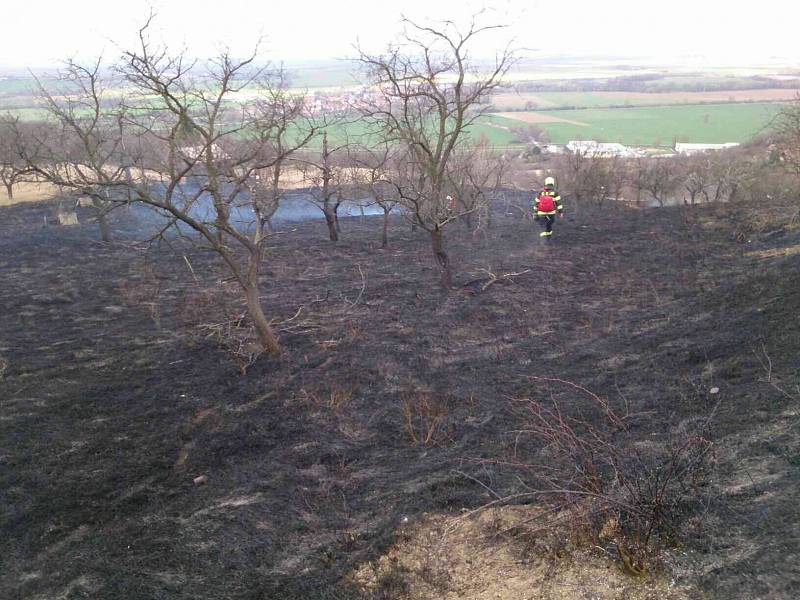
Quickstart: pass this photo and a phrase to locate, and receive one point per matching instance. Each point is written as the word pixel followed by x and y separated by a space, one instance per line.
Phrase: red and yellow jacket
pixel 548 202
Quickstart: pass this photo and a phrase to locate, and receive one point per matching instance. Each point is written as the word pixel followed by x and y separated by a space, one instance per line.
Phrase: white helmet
pixel 549 182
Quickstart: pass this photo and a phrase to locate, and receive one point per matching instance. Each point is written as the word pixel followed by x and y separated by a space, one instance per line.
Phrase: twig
pixel 297 314
pixel 493 278
pixel 479 482
pixel 191 270
pixel 360 293
pixel 768 368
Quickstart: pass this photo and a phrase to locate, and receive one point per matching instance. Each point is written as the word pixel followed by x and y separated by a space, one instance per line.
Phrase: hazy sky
pixel 40 33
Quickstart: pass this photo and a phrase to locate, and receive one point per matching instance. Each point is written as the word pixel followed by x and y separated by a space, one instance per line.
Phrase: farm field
pixel 713 123
pixel 552 100
pixel 496 132
pixel 662 125
pixel 637 118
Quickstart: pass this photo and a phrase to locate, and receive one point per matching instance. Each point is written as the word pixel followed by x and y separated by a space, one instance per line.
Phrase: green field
pixel 17 85
pixel 359 132
pixel 658 126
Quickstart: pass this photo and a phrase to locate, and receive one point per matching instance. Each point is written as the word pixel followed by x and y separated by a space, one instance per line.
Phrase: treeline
pixel 653 83
pixel 531 105
pixel 753 176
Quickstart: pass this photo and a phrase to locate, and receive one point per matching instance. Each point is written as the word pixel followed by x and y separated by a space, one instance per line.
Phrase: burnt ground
pixel 113 398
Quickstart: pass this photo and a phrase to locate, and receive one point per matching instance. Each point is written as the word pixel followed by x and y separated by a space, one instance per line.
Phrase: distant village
pixel 322 103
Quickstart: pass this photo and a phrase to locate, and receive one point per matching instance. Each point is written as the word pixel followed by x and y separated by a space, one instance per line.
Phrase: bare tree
pixel 374 168
pixel 287 114
pixel 637 176
pixel 660 179
pixel 475 175
pixel 616 177
pixel 82 146
pixel 696 178
pixel 323 172
pixel 727 173
pixel 430 95
pixel 194 151
pixel 587 174
pixel 577 174
pixel 787 129
pixel 14 145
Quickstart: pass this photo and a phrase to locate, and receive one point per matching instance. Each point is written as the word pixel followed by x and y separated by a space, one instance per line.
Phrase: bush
pixel 590 466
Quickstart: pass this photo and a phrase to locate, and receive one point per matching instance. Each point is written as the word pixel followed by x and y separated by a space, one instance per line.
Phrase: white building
pixel 553 149
pixel 682 148
pixel 593 148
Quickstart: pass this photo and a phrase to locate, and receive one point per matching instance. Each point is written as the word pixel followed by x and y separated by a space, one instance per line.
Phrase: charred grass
pixel 119 385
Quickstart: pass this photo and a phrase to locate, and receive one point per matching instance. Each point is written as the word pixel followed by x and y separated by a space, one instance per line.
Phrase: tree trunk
pixel 336 215
pixel 440 254
pixel 266 336
pixel 105 229
pixel 252 291
pixel 10 191
pixel 102 220
pixel 385 233
pixel 327 194
pixel 734 191
pixel 333 229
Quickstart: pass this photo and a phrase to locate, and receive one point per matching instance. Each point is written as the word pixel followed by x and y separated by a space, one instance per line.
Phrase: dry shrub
pixel 332 398
pixel 237 338
pixel 765 203
pixel 592 471
pixel 423 418
pixel 213 313
pixel 391 584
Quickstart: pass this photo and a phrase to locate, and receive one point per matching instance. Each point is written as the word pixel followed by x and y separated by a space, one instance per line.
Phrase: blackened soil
pixel 115 393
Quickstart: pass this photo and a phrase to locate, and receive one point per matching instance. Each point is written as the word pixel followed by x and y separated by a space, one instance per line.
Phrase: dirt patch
pixel 440 557
pixel 775 252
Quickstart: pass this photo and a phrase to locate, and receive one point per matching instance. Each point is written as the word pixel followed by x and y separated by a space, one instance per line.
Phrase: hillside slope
pixel 113 401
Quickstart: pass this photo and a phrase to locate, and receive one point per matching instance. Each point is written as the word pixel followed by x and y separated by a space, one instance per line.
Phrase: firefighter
pixel 546 206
